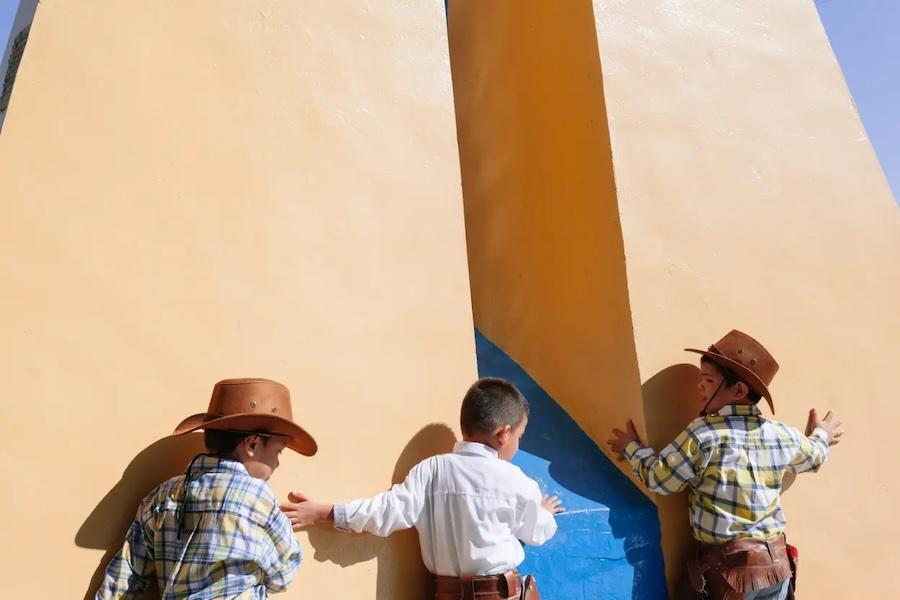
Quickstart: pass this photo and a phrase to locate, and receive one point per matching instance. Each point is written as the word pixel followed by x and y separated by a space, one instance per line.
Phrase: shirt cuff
pixel 340 518
pixel 822 434
pixel 630 449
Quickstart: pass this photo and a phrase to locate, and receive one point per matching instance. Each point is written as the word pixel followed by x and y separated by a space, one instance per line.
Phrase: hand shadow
pixel 105 527
pixel 401 573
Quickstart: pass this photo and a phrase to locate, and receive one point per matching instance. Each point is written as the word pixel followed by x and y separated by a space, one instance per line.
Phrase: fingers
pixel 618 433
pixel 552 504
pixel 297 497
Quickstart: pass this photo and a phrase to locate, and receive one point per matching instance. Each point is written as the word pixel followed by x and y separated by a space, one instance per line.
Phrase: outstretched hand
pixel 552 504
pixel 830 424
pixel 303 512
pixel 622 439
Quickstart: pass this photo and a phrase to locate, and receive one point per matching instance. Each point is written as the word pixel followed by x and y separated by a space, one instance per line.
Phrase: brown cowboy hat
pixel 251 405
pixel 746 358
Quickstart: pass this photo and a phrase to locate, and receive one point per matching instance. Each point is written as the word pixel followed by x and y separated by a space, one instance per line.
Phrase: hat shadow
pixel 400 569
pixel 105 527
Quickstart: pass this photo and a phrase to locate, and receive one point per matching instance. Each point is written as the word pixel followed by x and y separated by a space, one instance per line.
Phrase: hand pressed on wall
pixel 552 504
pixel 830 424
pixel 622 439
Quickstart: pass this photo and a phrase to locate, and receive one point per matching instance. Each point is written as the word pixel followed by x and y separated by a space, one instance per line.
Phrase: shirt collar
pixel 204 463
pixel 739 410
pixel 475 449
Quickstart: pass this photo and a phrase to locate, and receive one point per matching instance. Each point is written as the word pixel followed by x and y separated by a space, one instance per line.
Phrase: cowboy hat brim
pixel 299 440
pixel 744 374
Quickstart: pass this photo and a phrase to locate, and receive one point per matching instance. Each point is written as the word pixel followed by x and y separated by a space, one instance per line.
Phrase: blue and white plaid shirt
pixel 223 537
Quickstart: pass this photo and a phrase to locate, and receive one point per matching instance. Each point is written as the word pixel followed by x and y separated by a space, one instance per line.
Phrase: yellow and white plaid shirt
pixel 734 462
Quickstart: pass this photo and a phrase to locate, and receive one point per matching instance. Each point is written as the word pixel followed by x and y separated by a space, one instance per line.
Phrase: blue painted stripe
pixel 607 545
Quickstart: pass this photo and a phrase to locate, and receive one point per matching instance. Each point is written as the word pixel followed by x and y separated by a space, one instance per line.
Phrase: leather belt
pixel 468 587
pixel 746 552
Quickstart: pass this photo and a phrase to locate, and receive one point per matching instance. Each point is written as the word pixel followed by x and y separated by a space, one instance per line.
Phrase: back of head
pixel 490 403
pixel 223 442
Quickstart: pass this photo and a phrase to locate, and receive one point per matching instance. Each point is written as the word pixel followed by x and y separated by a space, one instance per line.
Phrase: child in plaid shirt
pixel 733 461
pixel 216 531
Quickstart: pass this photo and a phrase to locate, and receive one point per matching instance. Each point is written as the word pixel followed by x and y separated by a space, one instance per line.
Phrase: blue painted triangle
pixel 607 543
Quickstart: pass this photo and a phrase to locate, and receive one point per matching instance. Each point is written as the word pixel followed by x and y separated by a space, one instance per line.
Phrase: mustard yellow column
pixel 200 190
pixel 751 198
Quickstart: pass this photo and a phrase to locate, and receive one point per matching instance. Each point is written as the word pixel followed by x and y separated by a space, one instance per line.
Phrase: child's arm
pixel 281 553
pixel 128 574
pixel 536 523
pixel 667 472
pixel 390 511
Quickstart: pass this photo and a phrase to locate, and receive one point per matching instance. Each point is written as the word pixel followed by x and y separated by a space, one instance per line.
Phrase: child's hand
pixel 830 424
pixel 303 512
pixel 622 439
pixel 552 504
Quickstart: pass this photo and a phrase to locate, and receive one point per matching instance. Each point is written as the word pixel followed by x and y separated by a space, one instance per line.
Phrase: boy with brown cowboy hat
pixel 734 460
pixel 216 531
pixel 471 507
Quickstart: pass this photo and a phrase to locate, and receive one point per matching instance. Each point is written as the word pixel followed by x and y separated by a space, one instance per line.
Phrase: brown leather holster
pixel 728 571
pixel 506 586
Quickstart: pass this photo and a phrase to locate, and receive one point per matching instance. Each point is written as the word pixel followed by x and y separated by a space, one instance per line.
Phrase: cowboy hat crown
pixel 251 404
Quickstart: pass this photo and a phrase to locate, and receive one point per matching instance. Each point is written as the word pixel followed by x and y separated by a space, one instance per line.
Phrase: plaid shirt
pixel 733 462
pixel 223 538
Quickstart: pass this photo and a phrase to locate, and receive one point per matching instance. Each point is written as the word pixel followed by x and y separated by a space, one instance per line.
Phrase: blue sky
pixel 865 35
pixel 7 14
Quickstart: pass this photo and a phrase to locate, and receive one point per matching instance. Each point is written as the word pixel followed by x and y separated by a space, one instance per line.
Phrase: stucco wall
pixel 751 198
pixel 655 177
pixel 547 268
pixel 194 191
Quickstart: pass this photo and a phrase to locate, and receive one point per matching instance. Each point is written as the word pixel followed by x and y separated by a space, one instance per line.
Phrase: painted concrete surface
pixel 607 542
pixel 194 192
pixel 750 198
pixel 650 181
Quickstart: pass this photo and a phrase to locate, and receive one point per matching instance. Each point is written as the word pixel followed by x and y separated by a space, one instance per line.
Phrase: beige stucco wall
pixel 193 191
pixel 751 198
pixel 545 248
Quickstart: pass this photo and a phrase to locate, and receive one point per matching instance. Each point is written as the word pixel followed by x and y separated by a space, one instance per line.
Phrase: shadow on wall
pixel 671 401
pixel 608 541
pixel 401 573
pixel 105 527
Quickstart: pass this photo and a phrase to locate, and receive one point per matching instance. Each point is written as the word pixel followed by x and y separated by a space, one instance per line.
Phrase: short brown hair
pixel 221 441
pixel 731 378
pixel 490 403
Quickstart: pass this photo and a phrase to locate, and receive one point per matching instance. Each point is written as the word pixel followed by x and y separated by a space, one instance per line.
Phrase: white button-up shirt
pixel 470 507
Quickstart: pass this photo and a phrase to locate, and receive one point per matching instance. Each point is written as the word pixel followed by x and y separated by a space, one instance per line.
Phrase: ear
pixel 502 434
pixel 251 444
pixel 740 390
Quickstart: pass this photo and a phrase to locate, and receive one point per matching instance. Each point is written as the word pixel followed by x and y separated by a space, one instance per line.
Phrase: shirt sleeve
pixel 812 451
pixel 671 470
pixel 535 524
pixel 281 553
pixel 128 573
pixel 397 508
